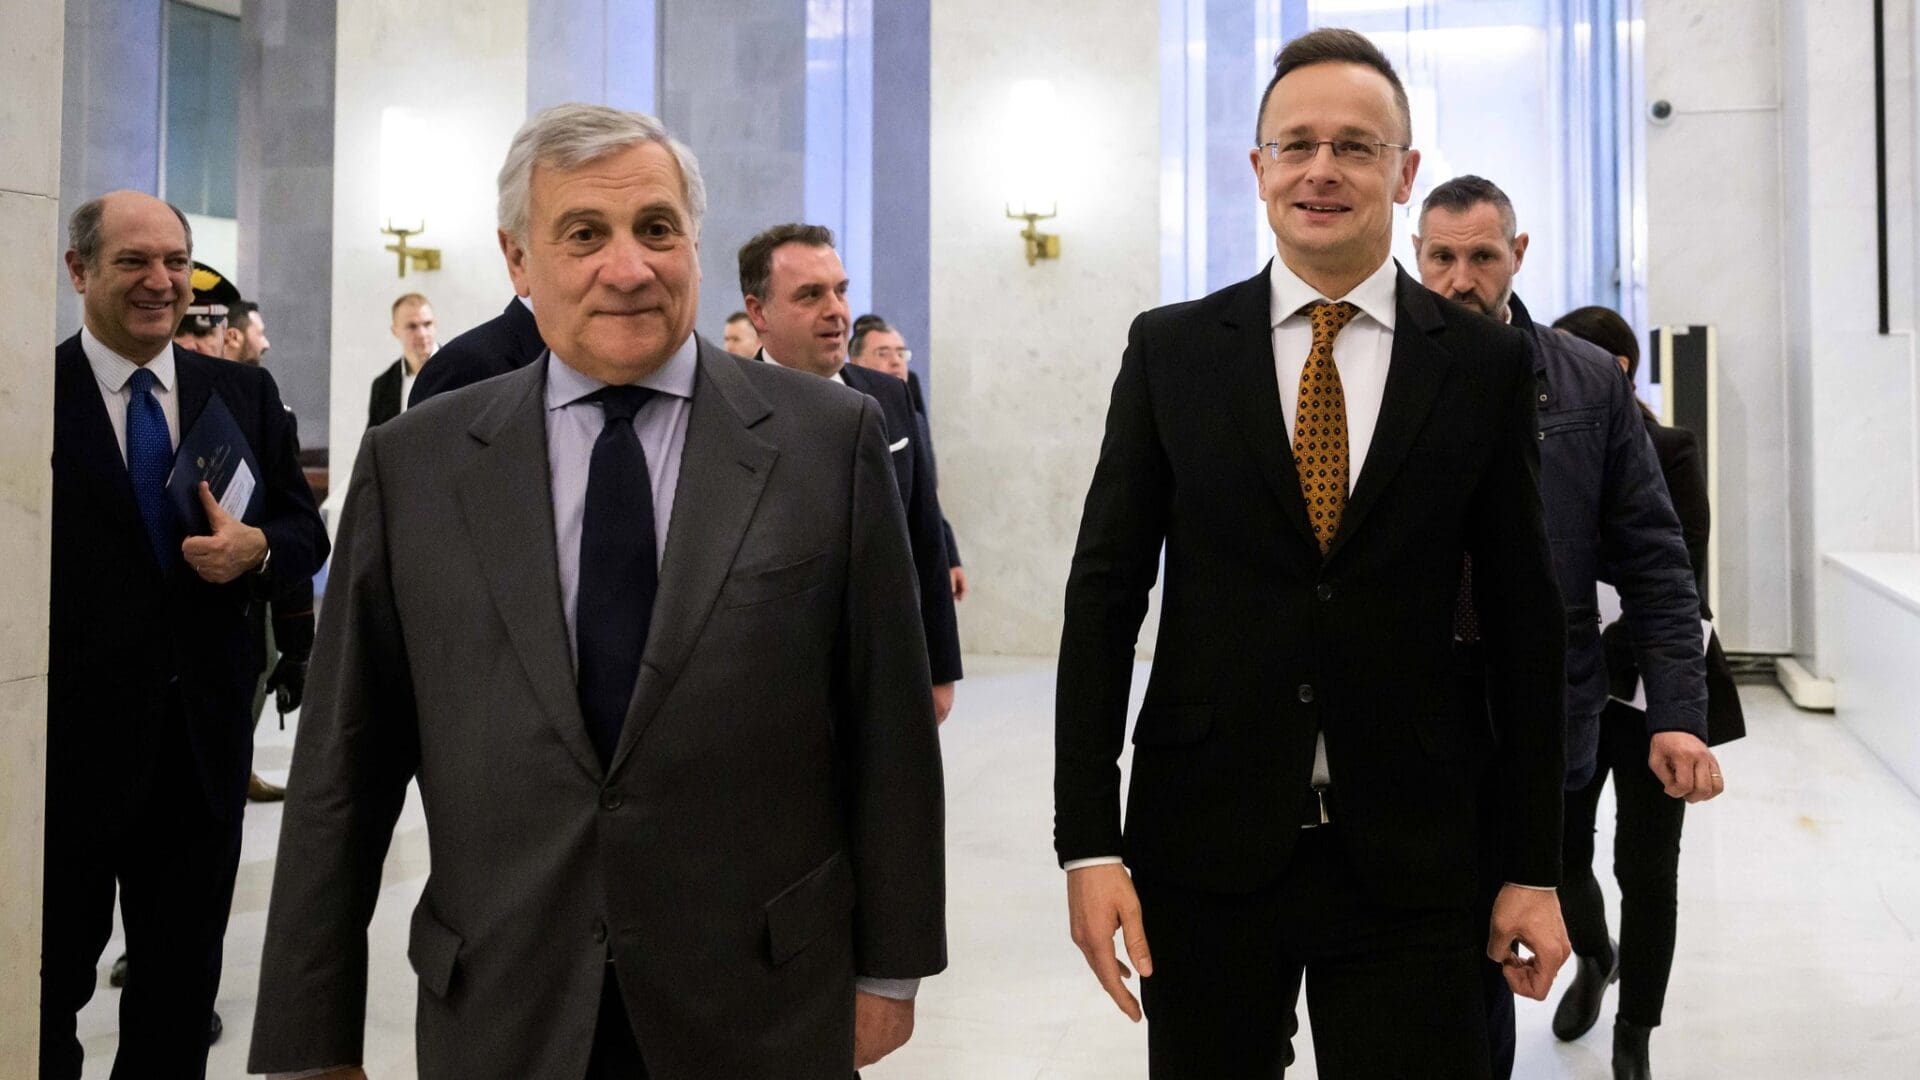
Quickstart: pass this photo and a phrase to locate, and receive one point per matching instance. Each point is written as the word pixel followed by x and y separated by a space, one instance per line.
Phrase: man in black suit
pixel 1305 780
pixel 413 328
pixel 152 651
pixel 877 346
pixel 1607 514
pixel 504 343
pixel 796 294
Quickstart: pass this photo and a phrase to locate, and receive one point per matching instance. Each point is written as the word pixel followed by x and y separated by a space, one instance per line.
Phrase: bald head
pixel 131 260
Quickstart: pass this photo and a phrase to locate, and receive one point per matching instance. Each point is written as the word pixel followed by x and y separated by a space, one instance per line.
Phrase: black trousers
pixel 172 864
pixel 1390 992
pixel 1646 863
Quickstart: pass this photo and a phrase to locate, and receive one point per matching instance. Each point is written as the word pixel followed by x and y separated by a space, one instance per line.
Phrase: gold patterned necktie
pixel 1320 424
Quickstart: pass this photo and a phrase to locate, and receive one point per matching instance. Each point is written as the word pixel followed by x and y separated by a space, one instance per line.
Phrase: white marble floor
pixel 1800 902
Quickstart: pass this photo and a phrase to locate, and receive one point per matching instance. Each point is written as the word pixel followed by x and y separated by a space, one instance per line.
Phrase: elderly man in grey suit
pixel 640 618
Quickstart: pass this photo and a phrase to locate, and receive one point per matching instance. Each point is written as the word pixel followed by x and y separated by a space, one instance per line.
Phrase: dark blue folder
pixel 212 451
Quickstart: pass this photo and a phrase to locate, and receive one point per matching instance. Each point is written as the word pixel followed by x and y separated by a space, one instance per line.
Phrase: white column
pixel 29 226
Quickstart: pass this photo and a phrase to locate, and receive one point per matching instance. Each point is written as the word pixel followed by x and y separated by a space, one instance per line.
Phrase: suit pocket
pixel 433 950
pixel 760 585
pixel 809 908
pixel 1172 725
pixel 1445 738
pixel 1571 421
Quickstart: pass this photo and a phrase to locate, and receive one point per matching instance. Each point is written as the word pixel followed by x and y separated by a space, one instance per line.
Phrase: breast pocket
pixel 760 585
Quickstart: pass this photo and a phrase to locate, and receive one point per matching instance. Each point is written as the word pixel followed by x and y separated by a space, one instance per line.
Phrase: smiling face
pixel 1333 220
pixel 140 282
pixel 610 262
pixel 1466 257
pixel 803 319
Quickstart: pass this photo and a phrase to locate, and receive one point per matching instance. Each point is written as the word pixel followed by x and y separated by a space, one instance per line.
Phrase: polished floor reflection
pixel 1798 957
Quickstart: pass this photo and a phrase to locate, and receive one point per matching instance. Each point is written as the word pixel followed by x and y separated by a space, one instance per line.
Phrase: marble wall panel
pixel 285 197
pixel 1714 257
pixel 733 74
pixel 27 224
pixel 469 80
pixel 1026 354
pixel 23 727
pixel 31 58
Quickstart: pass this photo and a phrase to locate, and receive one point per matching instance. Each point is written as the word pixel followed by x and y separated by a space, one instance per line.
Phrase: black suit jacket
pixel 913 468
pixel 1679 453
pixel 1263 641
pixel 507 341
pixel 933 462
pixel 133 651
pixel 384 404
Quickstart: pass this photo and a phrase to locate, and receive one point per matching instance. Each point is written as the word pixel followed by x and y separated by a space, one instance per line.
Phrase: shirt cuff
pixel 896 989
pixel 1535 888
pixel 1100 860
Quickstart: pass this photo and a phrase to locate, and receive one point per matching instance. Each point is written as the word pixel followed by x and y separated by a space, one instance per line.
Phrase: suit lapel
pixel 1415 373
pixel 194 381
pixel 506 494
pixel 723 469
pixel 95 448
pixel 1253 392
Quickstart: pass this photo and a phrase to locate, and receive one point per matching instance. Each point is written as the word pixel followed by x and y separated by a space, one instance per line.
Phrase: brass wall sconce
pixel 422 258
pixel 1039 245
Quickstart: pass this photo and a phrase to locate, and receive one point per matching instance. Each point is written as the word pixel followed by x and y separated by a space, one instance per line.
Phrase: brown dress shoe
pixel 259 790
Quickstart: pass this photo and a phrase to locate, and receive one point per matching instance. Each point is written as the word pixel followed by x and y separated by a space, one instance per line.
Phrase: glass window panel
pixel 203 75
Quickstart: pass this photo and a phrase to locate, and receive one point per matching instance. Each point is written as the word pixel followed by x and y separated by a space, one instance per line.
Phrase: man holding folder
pixel 152 653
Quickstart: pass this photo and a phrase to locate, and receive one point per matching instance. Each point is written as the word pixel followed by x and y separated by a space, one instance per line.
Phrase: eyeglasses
pixel 905 356
pixel 1350 151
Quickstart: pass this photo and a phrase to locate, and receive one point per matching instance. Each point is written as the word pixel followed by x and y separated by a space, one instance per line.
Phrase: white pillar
pixel 29 225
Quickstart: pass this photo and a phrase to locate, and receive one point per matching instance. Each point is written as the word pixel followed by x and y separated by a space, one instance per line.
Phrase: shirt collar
pixel 565 386
pixel 1376 297
pixel 768 357
pixel 113 370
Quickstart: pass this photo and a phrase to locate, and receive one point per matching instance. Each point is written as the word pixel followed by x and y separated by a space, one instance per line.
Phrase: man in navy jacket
pixel 1607 510
pixel 152 651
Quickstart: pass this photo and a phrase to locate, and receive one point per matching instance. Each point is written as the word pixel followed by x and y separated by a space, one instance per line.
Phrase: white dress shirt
pixel 112 370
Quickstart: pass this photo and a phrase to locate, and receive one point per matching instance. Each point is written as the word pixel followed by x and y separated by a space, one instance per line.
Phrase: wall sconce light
pixel 1033 165
pixel 405 164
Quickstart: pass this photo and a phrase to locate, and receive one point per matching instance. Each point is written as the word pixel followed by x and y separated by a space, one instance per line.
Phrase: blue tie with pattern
pixel 149 460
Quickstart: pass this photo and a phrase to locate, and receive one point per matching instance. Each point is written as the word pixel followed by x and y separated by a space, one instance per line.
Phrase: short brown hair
pixel 409 298
pixel 756 255
pixel 1334 45
pixel 83 230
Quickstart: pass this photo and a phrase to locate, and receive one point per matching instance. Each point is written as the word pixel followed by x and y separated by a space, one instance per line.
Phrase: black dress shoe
pixel 117 976
pixel 1630 1051
pixel 214 1028
pixel 1580 1008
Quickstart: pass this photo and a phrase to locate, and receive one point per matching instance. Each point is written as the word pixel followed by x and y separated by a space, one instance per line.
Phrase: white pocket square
pixel 897 447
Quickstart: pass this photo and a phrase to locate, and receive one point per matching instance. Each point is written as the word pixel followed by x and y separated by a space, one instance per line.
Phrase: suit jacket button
pixel 1323 590
pixel 610 800
pixel 1306 694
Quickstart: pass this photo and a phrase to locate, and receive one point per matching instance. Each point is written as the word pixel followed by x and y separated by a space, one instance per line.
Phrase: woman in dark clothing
pixel 1646 847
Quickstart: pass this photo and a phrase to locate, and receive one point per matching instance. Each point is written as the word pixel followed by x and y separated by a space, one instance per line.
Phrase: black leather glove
pixel 288 683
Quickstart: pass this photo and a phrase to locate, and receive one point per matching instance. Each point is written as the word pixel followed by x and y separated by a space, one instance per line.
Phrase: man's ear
pixel 516 262
pixel 1409 167
pixel 77 272
pixel 756 315
pixel 1519 251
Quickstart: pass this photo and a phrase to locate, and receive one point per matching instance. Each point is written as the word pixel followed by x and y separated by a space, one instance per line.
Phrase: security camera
pixel 1660 112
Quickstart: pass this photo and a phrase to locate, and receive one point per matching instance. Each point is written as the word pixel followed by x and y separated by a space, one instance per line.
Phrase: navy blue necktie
pixel 149 460
pixel 618 575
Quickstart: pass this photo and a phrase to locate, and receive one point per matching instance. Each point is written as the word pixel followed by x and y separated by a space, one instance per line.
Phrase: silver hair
pixel 83 229
pixel 567 137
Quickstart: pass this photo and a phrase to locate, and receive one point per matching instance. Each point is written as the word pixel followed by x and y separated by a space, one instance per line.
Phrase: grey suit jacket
pixel 771 822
